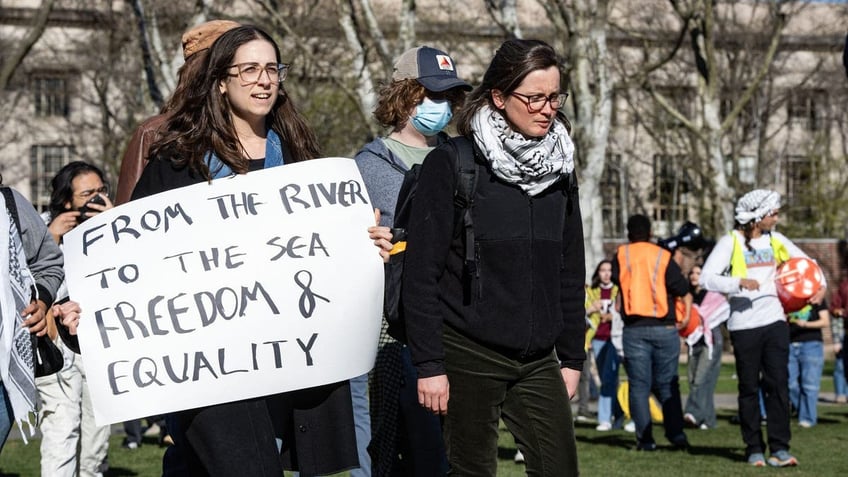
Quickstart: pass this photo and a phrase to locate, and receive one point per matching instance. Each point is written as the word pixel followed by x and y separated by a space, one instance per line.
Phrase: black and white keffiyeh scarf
pixel 17 369
pixel 531 164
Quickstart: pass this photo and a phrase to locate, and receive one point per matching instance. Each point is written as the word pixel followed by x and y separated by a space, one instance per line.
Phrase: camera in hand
pixel 97 199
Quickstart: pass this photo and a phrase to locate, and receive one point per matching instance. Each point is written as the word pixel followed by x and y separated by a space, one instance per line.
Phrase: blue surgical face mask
pixel 431 116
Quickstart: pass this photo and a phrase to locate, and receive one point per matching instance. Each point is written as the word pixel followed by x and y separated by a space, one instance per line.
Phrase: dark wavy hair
pixel 596 277
pixel 61 189
pixel 193 67
pixel 513 61
pixel 397 98
pixel 203 123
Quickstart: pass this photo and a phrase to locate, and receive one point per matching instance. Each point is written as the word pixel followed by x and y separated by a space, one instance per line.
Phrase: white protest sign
pixel 248 286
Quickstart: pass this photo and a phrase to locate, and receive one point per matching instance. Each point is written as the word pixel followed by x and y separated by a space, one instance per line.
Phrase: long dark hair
pixel 514 60
pixel 203 123
pixel 596 277
pixel 194 66
pixel 61 190
pixel 747 231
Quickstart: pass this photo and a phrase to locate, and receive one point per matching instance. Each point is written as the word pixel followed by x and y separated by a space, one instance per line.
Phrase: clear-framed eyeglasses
pixel 250 73
pixel 537 102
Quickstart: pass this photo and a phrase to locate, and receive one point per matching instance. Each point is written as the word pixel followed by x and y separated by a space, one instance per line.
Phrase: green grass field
pixel 820 450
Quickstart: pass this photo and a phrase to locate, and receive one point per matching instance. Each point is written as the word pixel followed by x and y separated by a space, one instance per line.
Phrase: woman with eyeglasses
pixel 501 335
pixel 241 119
pixel 70 438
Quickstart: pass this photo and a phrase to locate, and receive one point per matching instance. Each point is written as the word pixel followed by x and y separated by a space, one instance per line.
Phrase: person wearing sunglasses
pixel 501 336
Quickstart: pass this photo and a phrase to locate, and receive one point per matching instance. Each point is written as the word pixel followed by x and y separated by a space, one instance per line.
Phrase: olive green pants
pixel 529 395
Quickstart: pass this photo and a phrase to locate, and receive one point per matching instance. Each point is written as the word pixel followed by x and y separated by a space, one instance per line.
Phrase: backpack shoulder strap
pixel 11 206
pixel 466 186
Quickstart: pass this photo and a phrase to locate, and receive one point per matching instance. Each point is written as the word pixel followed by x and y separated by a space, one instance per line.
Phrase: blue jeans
pixel 608 362
pixel 840 388
pixel 362 421
pixel 7 416
pixel 806 361
pixel 703 371
pixel 651 354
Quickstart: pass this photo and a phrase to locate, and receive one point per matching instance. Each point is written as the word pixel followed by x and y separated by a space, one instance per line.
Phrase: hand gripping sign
pixel 248 286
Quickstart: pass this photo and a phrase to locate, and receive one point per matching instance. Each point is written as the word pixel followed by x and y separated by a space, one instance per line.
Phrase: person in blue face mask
pixel 415 107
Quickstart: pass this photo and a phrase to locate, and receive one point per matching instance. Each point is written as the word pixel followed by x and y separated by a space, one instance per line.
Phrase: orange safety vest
pixel 642 267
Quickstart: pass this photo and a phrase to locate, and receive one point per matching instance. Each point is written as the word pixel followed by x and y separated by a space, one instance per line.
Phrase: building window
pixel 807 107
pixel 612 197
pixel 45 161
pixel 51 95
pixel 671 189
pixel 799 181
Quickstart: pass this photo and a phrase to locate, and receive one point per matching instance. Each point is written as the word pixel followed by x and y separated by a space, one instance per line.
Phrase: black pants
pixel 762 362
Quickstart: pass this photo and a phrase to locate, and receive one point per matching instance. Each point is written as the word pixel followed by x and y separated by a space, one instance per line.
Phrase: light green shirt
pixel 410 155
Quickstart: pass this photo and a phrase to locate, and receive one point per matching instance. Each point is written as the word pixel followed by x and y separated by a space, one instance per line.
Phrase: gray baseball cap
pixel 434 69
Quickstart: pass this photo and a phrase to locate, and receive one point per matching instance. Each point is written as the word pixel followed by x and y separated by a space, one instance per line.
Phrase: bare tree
pixel 19 50
pixel 581 29
pixel 159 45
pixel 721 40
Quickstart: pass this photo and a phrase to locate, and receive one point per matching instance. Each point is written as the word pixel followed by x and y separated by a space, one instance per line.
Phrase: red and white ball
pixel 798 279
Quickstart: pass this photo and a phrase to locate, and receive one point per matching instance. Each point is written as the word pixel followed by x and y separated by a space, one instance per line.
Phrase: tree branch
pixel 17 55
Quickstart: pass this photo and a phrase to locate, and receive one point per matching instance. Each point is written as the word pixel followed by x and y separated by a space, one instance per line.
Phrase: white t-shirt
pixel 748 308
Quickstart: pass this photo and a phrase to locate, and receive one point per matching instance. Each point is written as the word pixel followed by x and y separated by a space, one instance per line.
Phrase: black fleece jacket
pixel 526 297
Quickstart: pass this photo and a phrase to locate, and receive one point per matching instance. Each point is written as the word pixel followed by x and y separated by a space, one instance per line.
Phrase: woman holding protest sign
pixel 241 119
pixel 498 333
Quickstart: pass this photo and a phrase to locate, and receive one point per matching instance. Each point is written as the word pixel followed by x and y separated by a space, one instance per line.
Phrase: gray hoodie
pixel 43 255
pixel 383 174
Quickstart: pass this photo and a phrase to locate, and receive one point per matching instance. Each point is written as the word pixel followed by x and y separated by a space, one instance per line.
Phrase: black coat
pixel 525 298
pixel 238 439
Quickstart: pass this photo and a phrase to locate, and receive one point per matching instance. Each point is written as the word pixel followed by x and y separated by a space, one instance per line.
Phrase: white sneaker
pixel 604 427
pixel 630 427
pixel 519 457
pixel 805 424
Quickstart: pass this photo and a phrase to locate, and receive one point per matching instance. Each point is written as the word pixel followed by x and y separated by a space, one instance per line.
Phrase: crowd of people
pixel 499 324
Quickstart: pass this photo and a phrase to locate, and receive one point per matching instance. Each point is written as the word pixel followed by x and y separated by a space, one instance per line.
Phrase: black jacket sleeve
pixel 430 234
pixel 675 283
pixel 570 343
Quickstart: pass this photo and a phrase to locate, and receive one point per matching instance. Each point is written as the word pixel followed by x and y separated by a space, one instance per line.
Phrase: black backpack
pixel 466 183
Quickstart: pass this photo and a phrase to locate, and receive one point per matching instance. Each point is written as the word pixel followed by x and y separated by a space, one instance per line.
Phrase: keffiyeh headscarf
pixel 756 204
pixel 16 355
pixel 531 164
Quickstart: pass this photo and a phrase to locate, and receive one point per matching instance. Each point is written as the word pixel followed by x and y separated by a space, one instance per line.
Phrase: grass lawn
pixel 821 450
